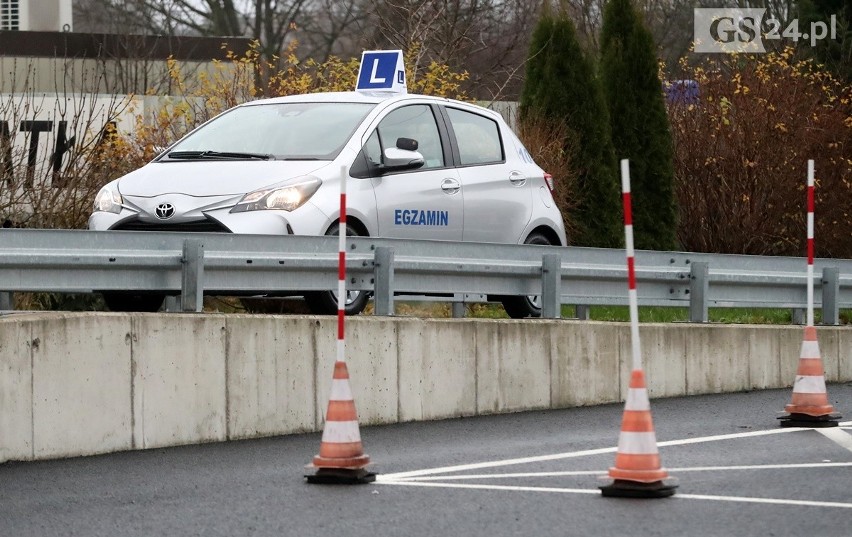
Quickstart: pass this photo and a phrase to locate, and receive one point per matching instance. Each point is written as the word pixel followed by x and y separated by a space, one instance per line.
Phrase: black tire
pixel 521 307
pixel 325 302
pixel 124 301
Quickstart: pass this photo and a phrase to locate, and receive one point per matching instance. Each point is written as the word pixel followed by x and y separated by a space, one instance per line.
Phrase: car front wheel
pixel 325 302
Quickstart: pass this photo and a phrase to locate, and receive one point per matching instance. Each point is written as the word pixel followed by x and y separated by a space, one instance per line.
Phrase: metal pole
pixel 698 288
pixel 551 292
pixel 192 289
pixel 458 309
pixel 383 273
pixel 830 292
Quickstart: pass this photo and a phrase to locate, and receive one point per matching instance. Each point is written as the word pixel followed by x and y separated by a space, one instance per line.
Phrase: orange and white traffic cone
pixel 341 457
pixel 809 406
pixel 637 472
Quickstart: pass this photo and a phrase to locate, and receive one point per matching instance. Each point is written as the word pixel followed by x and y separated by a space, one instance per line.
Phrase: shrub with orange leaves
pixel 741 156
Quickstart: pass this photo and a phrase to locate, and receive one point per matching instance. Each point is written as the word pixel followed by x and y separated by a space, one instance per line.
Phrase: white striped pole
pixel 637 472
pixel 341 451
pixel 631 264
pixel 810 406
pixel 810 319
pixel 341 269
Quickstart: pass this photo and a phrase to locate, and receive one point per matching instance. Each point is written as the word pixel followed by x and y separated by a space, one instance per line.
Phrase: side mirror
pixel 397 159
pixel 409 144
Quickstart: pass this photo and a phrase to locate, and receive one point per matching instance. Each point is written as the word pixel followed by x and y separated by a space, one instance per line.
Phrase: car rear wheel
pixel 128 301
pixel 521 307
pixel 325 302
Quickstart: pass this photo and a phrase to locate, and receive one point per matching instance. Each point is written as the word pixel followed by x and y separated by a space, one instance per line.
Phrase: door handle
pixel 517 178
pixel 450 186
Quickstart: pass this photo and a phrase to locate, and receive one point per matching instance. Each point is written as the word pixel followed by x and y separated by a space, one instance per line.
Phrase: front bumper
pixel 306 220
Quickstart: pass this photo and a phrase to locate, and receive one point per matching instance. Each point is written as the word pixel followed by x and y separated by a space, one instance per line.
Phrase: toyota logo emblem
pixel 164 211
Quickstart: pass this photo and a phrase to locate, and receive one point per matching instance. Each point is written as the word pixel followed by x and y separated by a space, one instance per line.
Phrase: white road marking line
pixel 458 477
pixel 574 454
pixel 599 451
pixel 732 436
pixel 493 464
pixel 773 501
pixel 743 499
pixel 603 472
pixel 489 487
pixel 842 438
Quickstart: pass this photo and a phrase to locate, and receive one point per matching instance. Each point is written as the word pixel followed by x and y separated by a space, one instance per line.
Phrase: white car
pixel 419 167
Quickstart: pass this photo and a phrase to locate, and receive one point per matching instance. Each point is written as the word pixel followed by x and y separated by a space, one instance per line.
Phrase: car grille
pixel 199 226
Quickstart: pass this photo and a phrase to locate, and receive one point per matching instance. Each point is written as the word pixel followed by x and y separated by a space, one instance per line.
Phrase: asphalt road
pixel 529 474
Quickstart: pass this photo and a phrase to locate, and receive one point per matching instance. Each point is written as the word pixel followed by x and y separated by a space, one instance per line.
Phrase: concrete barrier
pixel 89 383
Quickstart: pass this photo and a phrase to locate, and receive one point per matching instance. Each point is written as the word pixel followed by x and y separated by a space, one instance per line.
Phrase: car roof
pixel 375 97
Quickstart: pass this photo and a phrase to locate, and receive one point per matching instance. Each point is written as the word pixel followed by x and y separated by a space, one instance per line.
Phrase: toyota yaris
pixel 419 167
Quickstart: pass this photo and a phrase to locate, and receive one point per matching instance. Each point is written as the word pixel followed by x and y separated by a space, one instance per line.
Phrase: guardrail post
pixel 7 300
pixel 581 311
pixel 797 316
pixel 699 283
pixel 551 286
pixel 172 304
pixel 383 274
pixel 830 292
pixel 192 288
pixel 458 306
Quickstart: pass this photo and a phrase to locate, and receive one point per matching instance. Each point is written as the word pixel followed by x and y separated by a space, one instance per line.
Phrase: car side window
pixel 373 150
pixel 478 138
pixel 414 121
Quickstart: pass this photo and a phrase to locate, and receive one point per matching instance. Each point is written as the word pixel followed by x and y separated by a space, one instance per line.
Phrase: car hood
pixel 212 177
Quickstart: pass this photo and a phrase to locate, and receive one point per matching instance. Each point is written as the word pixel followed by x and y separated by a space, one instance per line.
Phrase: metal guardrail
pixel 191 264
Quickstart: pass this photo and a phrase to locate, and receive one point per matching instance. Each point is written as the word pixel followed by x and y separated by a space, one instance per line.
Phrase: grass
pixel 649 314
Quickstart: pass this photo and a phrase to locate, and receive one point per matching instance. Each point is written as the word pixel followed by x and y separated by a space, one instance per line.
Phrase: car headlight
pixel 285 198
pixel 108 201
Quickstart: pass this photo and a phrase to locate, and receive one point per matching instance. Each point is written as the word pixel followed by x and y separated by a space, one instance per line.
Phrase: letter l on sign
pixel 373 78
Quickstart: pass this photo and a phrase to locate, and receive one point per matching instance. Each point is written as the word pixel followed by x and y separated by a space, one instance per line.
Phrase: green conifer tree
pixel 561 85
pixel 639 124
pixel 835 53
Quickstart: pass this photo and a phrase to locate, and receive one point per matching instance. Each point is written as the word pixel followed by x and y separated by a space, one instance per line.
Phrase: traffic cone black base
pixel 341 476
pixel 805 420
pixel 633 489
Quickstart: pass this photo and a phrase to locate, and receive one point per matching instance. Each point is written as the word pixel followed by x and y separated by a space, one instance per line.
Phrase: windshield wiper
pixel 189 155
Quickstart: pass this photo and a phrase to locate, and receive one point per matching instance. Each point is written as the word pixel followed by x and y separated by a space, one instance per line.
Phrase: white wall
pixel 87 383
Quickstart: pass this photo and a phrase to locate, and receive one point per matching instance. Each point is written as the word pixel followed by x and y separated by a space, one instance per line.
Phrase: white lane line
pixel 493 464
pixel 463 477
pixel 574 454
pixel 742 499
pixel 773 501
pixel 842 438
pixel 490 487
pixel 603 472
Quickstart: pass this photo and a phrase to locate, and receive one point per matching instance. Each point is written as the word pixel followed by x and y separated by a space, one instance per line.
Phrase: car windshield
pixel 295 131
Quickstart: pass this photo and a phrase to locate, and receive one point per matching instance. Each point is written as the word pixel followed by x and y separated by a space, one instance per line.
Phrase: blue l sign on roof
pixel 381 70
